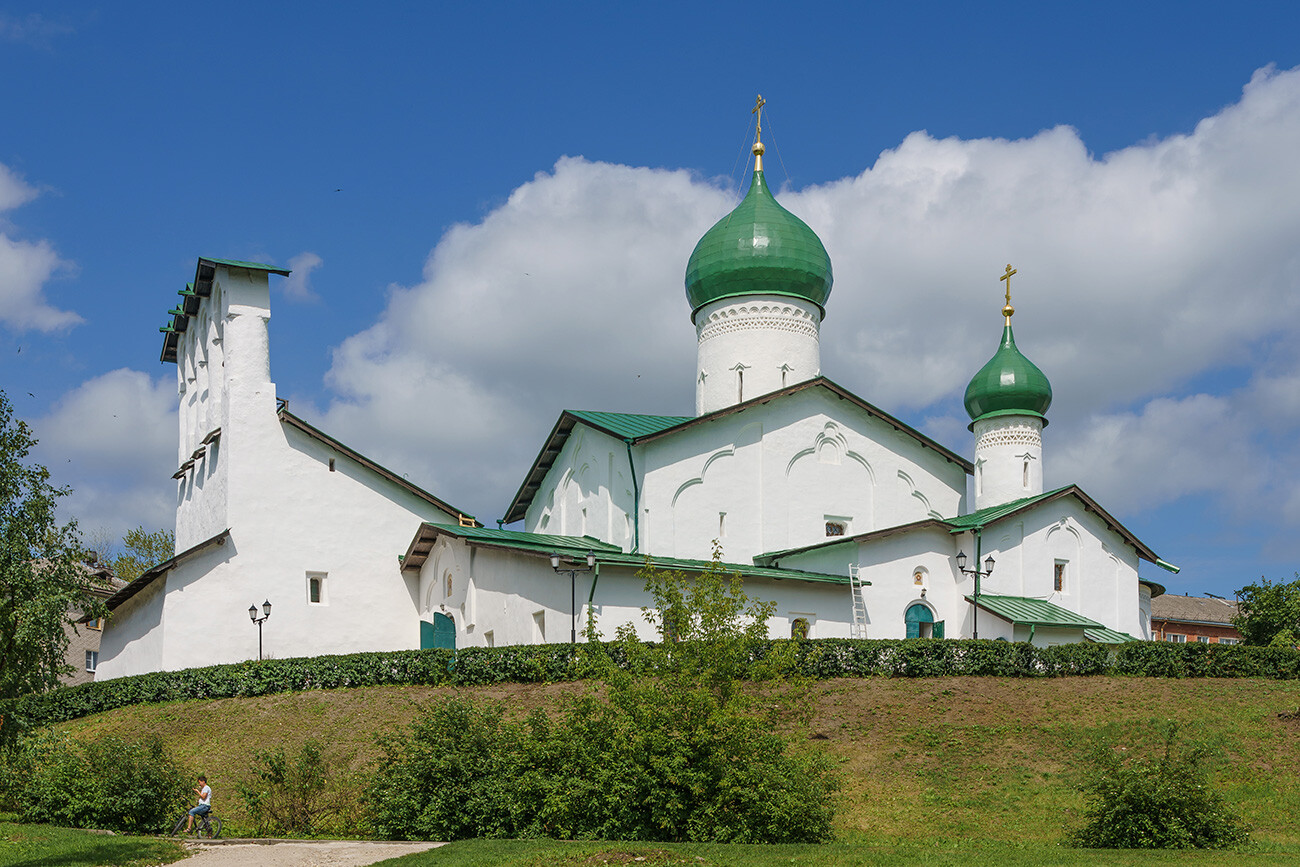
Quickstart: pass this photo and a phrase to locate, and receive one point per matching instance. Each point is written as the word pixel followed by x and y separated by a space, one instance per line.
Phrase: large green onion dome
pixel 760 248
pixel 1009 384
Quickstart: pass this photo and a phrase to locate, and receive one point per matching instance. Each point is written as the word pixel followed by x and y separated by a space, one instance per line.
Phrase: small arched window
pixel 446 590
pixel 799 627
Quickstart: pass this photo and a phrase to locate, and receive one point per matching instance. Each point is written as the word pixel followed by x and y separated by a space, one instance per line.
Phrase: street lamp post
pixel 988 570
pixel 573 571
pixel 252 615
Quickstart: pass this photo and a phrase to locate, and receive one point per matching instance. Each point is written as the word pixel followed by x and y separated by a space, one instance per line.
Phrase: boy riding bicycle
pixel 204 806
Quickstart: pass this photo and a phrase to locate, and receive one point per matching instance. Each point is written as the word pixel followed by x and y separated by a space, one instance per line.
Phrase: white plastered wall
pixel 754 345
pixel 1008 459
pixel 588 492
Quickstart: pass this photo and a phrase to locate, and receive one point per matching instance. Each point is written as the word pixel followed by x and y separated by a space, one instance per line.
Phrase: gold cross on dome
pixel 758 110
pixel 1008 310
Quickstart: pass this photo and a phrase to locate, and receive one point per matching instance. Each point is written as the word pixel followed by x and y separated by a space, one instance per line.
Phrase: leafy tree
pixel 42 577
pixel 1140 800
pixel 1269 613
pixel 676 746
pixel 141 551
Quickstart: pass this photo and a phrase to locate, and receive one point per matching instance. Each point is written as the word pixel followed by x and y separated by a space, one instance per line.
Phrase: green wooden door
pixel 914 617
pixel 441 633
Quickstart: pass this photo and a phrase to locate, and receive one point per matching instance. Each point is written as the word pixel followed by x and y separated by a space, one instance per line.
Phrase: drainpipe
pixel 595 576
pixel 979 564
pixel 636 506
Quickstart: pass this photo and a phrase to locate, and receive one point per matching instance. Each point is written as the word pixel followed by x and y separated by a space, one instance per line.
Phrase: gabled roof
pixel 577 547
pixel 1033 612
pixel 319 435
pixel 629 429
pixel 621 425
pixel 150 575
pixel 193 293
pixel 1194 609
pixel 982 518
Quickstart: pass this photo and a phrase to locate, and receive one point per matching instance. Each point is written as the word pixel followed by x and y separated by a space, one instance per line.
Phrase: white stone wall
pixel 754 345
pixel 1008 459
pixel 769 478
pixel 589 491
pixel 501 596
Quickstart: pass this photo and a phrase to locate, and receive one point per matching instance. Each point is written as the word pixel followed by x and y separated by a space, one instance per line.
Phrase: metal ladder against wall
pixel 858 629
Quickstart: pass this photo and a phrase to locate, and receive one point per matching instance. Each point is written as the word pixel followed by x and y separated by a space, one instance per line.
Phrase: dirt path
pixel 299 853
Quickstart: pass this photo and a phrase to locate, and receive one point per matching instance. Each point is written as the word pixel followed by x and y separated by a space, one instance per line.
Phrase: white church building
pixel 853 522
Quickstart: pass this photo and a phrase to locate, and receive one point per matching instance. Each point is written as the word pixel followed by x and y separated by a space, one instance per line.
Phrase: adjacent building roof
pixel 577 547
pixel 150 575
pixel 1105 635
pixel 1210 611
pixel 639 429
pixel 192 296
pixel 1033 612
pixel 319 435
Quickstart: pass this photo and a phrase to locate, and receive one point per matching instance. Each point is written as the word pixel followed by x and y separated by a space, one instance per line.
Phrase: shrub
pixel 1160 801
pixel 109 783
pixel 290 796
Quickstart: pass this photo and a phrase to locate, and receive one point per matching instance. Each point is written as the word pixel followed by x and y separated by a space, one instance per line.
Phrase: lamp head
pixel 591 560
pixel 252 613
pixel 555 561
pixel 961 560
pixel 988 565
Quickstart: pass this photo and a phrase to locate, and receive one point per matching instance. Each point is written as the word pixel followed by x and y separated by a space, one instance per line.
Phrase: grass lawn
pixel 42 846
pixel 535 853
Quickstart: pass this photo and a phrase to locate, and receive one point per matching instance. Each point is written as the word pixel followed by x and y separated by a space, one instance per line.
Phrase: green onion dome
pixel 760 248
pixel 1009 384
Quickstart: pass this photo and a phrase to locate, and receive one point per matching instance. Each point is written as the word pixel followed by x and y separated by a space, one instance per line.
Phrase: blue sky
pixel 489 208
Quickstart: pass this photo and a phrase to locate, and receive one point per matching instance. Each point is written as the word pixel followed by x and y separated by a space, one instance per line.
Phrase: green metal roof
pixel 1035 612
pixel 578 546
pixel 626 425
pixel 760 248
pixel 251 266
pixel 982 518
pixel 1107 636
pixel 1008 384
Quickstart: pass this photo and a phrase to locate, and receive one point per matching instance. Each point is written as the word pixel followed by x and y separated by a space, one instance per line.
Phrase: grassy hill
pixel 941 759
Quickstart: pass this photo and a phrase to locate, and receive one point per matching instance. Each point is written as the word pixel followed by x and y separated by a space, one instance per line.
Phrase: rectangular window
pixel 1203 639
pixel 97 623
pixel 489 639
pixel 316 589
pixel 92 660
pixel 1229 641
pixel 1175 638
pixel 1058 576
pixel 539 627
pixel 835 528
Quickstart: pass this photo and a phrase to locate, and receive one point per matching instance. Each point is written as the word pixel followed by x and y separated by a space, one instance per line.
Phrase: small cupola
pixel 1009 384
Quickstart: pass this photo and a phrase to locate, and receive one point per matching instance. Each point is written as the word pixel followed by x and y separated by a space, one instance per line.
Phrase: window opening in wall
pixel 1229 641
pixel 92 660
pixel 316 588
pixel 446 585
pixel 489 639
pixel 835 528
pixel 1203 639
pixel 97 623
pixel 979 480
pixel 722 524
pixel 331 465
pixel 539 627
pixel 1058 576
pixel 799 627
pixel 740 384
pixel 1025 474
pixel 1175 638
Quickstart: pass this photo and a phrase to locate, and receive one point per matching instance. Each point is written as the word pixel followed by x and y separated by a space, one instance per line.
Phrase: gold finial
pixel 758 133
pixel 1008 311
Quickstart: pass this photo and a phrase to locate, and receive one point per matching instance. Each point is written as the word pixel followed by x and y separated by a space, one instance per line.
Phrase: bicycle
pixel 208 825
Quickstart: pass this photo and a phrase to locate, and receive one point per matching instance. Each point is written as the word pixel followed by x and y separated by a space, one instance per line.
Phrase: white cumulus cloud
pixel 298 284
pixel 25 268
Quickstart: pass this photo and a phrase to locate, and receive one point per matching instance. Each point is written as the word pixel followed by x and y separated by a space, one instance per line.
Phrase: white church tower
pixel 757 283
pixel 219 343
pixel 1006 400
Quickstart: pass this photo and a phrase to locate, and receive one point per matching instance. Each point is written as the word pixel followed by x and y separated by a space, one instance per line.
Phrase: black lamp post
pixel 252 615
pixel 573 571
pixel 988 570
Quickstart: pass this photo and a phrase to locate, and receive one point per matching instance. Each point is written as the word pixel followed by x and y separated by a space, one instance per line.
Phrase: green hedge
pixel 548 663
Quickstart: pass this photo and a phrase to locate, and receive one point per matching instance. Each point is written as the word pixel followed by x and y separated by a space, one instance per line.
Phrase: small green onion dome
pixel 760 248
pixel 1009 384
